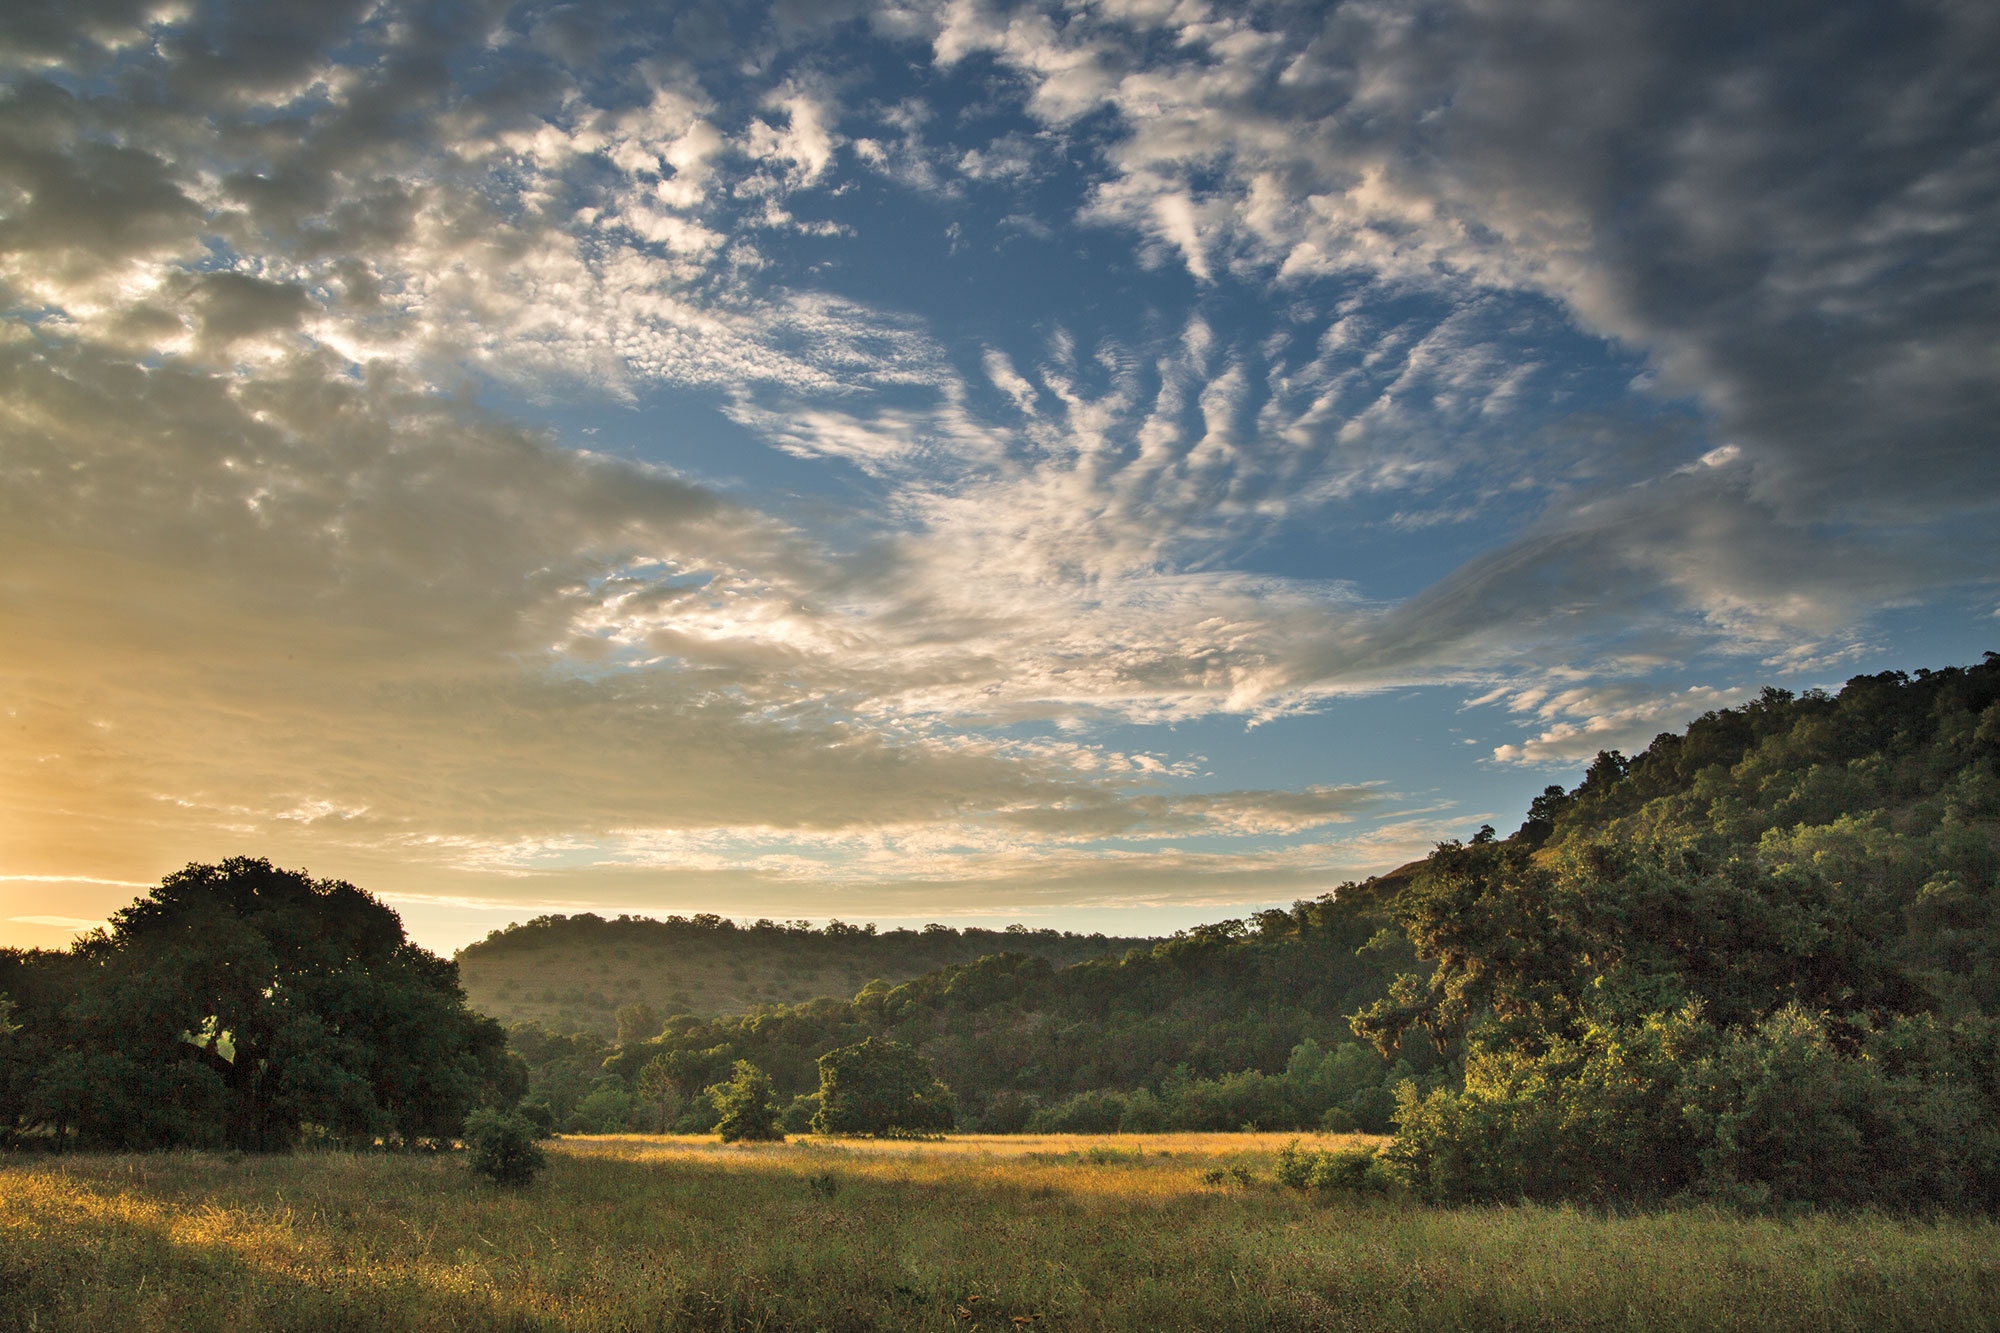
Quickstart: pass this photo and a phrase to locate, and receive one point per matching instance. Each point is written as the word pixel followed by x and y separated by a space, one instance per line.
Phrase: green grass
pixel 633 1233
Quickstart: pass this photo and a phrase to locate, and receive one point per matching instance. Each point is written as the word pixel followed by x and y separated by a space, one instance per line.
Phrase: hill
pixel 573 973
pixel 1242 1022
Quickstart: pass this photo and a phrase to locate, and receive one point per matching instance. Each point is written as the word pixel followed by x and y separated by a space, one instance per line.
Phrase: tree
pixel 637 1023
pixel 747 1107
pixel 237 1003
pixel 659 1089
pixel 881 1087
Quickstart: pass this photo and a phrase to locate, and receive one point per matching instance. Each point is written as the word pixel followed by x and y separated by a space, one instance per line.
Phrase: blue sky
pixel 1107 465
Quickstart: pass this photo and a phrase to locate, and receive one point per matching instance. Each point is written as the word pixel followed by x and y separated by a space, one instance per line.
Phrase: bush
pixel 503 1147
pixel 1353 1170
pixel 1294 1169
pixel 746 1108
pixel 798 1114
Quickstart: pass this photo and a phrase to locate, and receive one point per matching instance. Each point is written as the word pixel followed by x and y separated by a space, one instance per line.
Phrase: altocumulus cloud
pixel 1139 363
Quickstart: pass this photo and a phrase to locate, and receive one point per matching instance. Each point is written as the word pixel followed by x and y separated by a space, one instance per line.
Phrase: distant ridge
pixel 573 973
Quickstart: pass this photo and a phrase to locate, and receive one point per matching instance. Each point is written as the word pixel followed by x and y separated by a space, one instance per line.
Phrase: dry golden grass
pixel 1060 1231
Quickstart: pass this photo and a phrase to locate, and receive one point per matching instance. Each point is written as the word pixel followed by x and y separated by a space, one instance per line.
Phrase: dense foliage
pixel 1755 962
pixel 746 1108
pixel 1239 1023
pixel 503 1148
pixel 245 1006
pixel 881 1087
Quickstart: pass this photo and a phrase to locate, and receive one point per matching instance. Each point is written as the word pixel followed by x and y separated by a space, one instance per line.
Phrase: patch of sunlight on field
pixel 1205 1148
pixel 1128 1167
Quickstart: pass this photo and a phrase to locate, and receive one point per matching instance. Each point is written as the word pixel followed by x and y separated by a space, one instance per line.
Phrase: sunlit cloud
pixel 876 451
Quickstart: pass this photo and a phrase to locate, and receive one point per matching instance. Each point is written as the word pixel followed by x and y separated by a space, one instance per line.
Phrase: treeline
pixel 574 972
pixel 243 1006
pixel 837 941
pixel 1234 1024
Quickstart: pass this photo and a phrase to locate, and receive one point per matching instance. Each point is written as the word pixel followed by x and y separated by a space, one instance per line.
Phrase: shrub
pixel 1352 1170
pixel 798 1113
pixel 1237 1174
pixel 1294 1165
pixel 503 1147
pixel 1103 1154
pixel 747 1109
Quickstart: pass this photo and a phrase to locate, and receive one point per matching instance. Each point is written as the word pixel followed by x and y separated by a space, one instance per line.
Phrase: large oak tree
pixel 243 1005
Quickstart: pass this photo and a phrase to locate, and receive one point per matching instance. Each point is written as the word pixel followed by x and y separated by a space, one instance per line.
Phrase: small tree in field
pixel 748 1107
pixel 503 1147
pixel 881 1087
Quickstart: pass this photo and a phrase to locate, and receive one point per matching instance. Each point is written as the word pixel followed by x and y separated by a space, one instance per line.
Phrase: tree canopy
pixel 243 1005
pixel 881 1087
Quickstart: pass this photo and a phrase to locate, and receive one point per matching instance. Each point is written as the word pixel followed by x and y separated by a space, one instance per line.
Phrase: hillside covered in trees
pixel 1200 1018
pixel 1756 960
pixel 573 973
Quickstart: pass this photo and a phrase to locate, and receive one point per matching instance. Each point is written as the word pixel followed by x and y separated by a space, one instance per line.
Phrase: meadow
pixel 1073 1232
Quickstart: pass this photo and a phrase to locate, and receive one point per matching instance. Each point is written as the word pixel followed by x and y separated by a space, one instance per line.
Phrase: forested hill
pixel 1876 811
pixel 1241 1022
pixel 1755 963
pixel 574 973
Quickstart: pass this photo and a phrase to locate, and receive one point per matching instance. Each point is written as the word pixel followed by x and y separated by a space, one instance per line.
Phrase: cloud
pixel 1587 719
pixel 1106 815
pixel 1674 179
pixel 1627 334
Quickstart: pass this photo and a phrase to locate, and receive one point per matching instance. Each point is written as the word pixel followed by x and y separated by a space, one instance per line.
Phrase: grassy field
pixel 1119 1232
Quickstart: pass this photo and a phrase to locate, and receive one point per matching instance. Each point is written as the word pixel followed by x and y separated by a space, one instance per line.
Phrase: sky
pixel 1108 465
